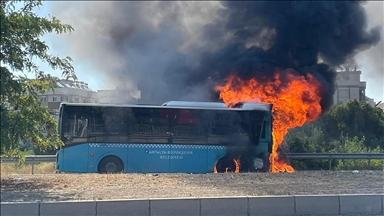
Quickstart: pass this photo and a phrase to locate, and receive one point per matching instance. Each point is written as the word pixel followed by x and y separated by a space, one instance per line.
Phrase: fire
pixel 237 162
pixel 237 167
pixel 295 99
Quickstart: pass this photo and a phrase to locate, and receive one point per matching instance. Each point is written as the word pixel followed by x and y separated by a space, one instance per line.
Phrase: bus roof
pixel 184 105
pixel 242 106
pixel 195 104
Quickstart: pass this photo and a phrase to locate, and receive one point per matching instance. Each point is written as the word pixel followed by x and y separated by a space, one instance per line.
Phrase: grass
pixel 42 168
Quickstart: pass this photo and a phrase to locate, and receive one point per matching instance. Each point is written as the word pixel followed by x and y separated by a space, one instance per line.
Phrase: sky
pixel 365 60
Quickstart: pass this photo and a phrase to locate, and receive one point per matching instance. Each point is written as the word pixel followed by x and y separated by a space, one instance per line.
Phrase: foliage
pixel 21 45
pixel 347 128
pixel 355 119
pixel 353 145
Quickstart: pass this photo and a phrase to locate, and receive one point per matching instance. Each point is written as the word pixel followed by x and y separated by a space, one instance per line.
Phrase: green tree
pixel 332 132
pixel 21 46
pixel 307 139
pixel 355 145
pixel 355 119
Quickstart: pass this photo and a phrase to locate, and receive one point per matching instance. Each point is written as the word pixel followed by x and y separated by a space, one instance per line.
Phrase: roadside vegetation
pixel 23 118
pixel 43 168
pixel 346 128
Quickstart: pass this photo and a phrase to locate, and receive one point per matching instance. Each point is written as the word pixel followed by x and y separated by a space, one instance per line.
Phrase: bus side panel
pixel 148 158
pixel 75 158
pixel 101 150
pixel 188 159
pixel 214 153
pixel 59 160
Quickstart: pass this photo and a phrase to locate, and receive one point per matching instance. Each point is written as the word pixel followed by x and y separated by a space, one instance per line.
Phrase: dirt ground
pixel 60 187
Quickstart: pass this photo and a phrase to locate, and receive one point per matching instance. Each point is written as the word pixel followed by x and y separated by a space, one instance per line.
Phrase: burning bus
pixel 176 137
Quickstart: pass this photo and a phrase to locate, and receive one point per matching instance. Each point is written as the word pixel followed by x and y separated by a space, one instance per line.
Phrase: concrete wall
pixel 234 206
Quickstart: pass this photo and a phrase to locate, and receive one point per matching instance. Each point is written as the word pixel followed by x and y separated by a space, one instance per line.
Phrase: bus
pixel 175 137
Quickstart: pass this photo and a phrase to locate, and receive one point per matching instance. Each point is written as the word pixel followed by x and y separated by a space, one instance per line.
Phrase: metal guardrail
pixel 35 159
pixel 335 156
pixel 32 159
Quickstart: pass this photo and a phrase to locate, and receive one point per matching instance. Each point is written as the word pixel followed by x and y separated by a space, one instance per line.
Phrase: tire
pixel 223 163
pixel 110 164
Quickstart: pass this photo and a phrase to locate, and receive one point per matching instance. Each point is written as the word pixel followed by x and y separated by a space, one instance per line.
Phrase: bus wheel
pixel 110 164
pixel 225 165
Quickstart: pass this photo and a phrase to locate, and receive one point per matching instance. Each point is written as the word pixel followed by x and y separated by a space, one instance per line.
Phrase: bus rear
pixel 164 139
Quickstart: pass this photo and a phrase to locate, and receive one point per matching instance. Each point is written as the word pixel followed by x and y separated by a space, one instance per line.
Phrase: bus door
pixel 259 130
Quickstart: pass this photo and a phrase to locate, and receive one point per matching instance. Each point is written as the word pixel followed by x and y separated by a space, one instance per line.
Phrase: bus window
pixel 187 117
pixel 240 123
pixel 149 122
pixel 75 123
pixel 96 122
pixel 222 123
pixel 113 118
pixel 107 120
pixel 256 121
pixel 188 123
pixel 227 127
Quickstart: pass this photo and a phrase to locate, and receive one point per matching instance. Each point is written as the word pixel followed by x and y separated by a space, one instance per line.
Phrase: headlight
pixel 258 163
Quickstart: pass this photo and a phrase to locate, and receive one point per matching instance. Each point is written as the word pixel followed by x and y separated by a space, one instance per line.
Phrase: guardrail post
pixel 369 164
pixel 33 167
pixel 330 164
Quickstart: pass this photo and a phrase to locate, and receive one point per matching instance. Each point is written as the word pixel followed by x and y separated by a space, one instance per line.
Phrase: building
pixel 349 87
pixel 67 91
pixel 79 92
pixel 370 101
pixel 381 106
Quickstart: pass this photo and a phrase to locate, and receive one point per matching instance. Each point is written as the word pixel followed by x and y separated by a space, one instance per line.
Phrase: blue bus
pixel 175 137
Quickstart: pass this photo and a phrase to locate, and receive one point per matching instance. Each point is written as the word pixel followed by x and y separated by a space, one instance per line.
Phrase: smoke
pixel 371 61
pixel 140 45
pixel 300 32
pixel 179 50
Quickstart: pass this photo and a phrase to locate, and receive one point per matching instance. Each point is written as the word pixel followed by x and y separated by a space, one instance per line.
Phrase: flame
pixel 295 99
pixel 237 162
pixel 237 167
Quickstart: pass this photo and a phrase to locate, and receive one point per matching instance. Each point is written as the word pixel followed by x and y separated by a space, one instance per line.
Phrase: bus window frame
pixel 206 116
pixel 60 122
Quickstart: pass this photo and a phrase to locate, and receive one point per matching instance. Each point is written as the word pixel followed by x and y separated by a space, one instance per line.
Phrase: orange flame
pixel 237 167
pixel 295 102
pixel 237 162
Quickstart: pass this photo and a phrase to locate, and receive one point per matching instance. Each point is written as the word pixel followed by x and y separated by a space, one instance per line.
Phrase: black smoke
pixel 181 50
pixel 300 33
